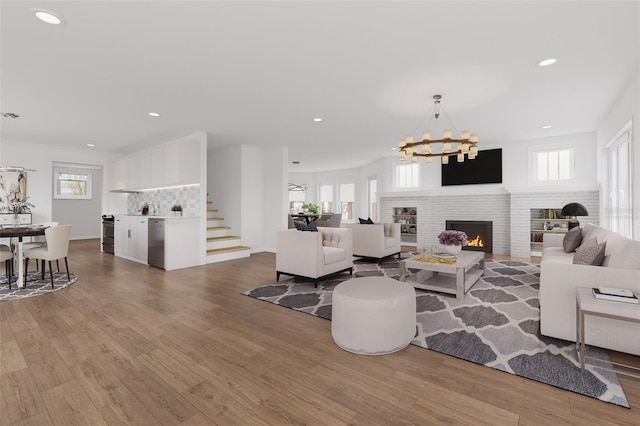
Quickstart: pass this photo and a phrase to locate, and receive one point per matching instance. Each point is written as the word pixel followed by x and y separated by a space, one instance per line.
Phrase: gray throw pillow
pixel 572 240
pixel 310 227
pixel 590 253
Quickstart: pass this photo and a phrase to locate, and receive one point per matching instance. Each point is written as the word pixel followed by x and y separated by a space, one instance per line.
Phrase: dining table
pixel 308 217
pixel 19 232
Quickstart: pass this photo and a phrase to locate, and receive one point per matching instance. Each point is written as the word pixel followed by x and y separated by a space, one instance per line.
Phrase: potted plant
pixel 177 210
pixel 19 207
pixel 313 208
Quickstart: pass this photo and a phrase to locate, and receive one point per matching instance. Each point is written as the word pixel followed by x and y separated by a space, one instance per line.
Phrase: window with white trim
pixel 72 183
pixel 297 199
pixel 554 165
pixel 407 175
pixel 347 200
pixel 326 198
pixel 619 206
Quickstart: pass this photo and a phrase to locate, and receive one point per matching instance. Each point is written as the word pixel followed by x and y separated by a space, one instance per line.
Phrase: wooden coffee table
pixel 452 278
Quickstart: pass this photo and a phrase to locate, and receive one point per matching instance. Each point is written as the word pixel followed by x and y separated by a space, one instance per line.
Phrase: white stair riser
pixel 221 257
pixel 215 222
pixel 218 233
pixel 222 244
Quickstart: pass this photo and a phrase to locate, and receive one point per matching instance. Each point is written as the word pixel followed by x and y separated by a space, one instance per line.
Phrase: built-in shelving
pixel 407 218
pixel 545 221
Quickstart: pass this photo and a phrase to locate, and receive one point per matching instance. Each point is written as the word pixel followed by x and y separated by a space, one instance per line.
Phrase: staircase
pixel 221 245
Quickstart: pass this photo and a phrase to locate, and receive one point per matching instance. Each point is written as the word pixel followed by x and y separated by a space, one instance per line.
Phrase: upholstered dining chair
pixel 39 241
pixel 323 219
pixel 6 255
pixel 57 247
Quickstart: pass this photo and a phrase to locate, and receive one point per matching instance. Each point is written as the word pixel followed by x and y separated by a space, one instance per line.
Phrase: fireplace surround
pixel 480 233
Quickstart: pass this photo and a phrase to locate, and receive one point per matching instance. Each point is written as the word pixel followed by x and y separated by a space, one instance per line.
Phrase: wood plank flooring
pixel 132 344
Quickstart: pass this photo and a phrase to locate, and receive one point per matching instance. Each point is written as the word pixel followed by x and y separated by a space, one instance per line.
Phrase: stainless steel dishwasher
pixel 156 242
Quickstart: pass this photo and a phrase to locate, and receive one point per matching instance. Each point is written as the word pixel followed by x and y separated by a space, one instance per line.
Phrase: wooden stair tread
pixel 212 210
pixel 215 218
pixel 227 250
pixel 230 237
pixel 216 228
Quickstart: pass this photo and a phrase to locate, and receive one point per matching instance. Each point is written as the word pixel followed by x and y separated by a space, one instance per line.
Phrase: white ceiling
pixel 258 72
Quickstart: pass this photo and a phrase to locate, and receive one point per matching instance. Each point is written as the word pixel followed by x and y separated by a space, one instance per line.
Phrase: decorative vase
pixel 453 249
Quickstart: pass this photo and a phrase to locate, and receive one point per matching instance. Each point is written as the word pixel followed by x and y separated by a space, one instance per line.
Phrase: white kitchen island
pixel 181 239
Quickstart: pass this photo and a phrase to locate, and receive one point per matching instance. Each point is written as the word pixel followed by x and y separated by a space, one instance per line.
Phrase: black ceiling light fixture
pixel 572 210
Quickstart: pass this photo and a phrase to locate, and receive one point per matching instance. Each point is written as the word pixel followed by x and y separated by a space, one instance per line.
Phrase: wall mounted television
pixel 485 168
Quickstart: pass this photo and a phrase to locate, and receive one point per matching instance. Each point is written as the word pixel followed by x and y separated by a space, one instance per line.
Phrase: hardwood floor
pixel 132 344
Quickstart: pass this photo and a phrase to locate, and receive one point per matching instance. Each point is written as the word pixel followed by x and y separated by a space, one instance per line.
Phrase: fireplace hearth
pixel 480 233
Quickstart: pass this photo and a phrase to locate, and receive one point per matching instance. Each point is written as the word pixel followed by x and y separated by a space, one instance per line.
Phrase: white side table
pixel 587 304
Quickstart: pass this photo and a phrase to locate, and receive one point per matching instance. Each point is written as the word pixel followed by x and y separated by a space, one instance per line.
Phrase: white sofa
pixel 314 254
pixel 375 240
pixel 559 278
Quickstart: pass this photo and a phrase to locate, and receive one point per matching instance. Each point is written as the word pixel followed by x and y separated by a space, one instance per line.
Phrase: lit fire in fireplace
pixel 476 242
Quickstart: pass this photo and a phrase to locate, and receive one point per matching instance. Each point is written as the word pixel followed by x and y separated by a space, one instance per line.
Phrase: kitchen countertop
pixel 160 216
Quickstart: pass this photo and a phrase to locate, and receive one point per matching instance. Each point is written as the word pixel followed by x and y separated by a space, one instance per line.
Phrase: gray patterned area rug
pixel 35 285
pixel 497 324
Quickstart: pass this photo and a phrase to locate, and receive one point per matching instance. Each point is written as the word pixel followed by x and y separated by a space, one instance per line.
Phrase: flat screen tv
pixel 485 168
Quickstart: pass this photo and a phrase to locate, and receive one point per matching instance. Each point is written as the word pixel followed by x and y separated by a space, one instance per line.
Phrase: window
pixel 326 198
pixel 373 197
pixel 553 165
pixel 297 199
pixel 619 206
pixel 347 199
pixel 72 183
pixel 407 175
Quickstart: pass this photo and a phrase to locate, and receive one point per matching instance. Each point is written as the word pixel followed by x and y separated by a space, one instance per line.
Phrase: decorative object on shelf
pixel 466 143
pixel 177 210
pixel 572 210
pixel 145 209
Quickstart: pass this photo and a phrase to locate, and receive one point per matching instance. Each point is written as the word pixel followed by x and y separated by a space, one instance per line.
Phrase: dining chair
pixel 7 255
pixel 323 219
pixel 40 241
pixel 57 247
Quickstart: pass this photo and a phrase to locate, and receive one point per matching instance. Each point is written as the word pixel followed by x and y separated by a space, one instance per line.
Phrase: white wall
pixel 40 182
pixel 249 186
pixel 276 196
pixel 224 184
pixel 626 108
pixel 252 190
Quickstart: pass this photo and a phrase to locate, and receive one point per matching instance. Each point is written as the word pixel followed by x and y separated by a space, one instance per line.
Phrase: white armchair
pixel 376 240
pixel 314 254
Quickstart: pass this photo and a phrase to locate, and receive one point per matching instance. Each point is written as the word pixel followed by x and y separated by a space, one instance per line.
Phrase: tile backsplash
pixel 161 200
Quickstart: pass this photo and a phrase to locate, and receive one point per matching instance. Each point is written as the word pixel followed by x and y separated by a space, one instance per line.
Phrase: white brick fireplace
pixel 508 210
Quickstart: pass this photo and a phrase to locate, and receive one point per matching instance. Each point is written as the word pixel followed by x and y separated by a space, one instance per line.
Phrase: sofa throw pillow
pixel 303 227
pixel 367 221
pixel 590 253
pixel 572 240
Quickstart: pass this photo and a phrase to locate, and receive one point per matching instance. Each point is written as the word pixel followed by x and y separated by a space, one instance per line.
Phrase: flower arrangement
pixel 17 207
pixel 453 238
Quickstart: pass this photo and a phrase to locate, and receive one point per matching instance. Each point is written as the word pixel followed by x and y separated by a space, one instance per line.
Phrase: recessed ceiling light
pixel 393 148
pixel 295 162
pixel 317 120
pixel 154 114
pixel 91 145
pixel 546 126
pixel 547 62
pixel 47 17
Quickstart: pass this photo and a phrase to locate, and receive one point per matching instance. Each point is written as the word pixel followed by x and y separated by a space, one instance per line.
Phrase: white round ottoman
pixel 373 315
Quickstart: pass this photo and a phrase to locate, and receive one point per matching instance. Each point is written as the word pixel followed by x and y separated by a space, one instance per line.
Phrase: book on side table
pixel 615 294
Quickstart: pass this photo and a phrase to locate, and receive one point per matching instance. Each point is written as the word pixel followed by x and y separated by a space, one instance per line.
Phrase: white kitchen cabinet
pixel 174 164
pixel 144 169
pixel 132 171
pixel 131 234
pixel 119 174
